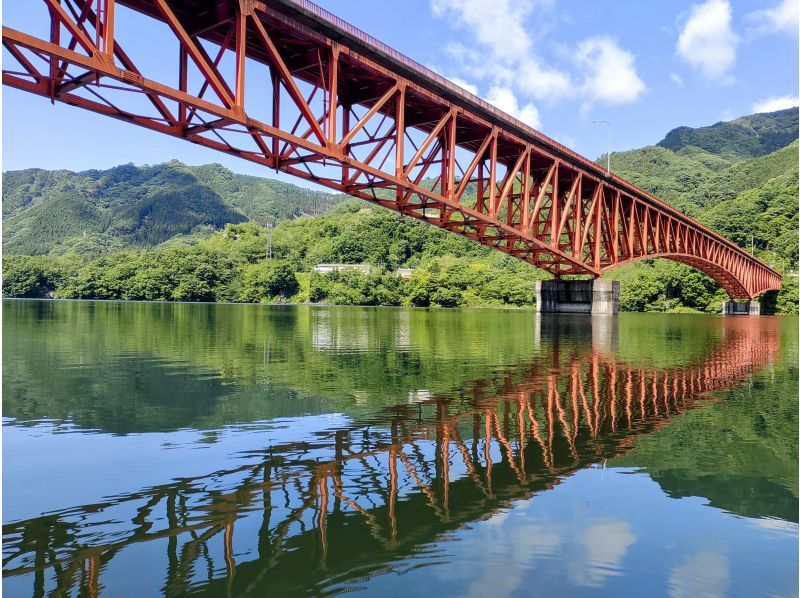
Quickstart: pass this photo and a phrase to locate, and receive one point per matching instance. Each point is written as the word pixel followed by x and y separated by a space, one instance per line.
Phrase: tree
pixel 266 280
pixel 30 276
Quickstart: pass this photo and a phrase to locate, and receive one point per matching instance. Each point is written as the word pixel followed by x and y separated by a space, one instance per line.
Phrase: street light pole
pixel 608 153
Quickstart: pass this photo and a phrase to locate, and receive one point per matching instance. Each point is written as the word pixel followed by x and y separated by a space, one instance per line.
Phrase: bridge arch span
pixel 726 279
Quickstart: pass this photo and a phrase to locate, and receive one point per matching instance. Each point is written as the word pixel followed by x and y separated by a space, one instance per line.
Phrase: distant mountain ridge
pixel 746 137
pixel 140 206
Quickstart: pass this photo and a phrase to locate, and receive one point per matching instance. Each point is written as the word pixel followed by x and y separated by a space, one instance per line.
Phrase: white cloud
pixel 702 574
pixel 609 72
pixel 783 18
pixel 778 527
pixel 552 541
pixel 542 82
pixel 460 52
pixel 466 85
pixel 606 545
pixel 776 103
pixel 563 138
pixel 676 79
pixel 519 546
pixel 504 98
pixel 707 41
pixel 502 54
pixel 496 24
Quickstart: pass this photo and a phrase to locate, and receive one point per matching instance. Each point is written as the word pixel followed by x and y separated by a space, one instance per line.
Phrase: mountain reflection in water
pixel 351 496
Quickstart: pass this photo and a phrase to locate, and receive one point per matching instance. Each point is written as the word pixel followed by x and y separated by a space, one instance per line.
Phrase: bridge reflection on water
pixel 346 504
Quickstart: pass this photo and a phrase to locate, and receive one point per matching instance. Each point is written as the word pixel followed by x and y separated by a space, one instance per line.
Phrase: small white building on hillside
pixel 405 273
pixel 328 268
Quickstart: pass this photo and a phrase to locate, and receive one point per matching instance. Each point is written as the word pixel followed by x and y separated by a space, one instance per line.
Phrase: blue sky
pixel 645 66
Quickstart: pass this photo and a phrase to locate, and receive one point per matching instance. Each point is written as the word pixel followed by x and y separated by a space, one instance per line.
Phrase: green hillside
pixel 139 206
pixel 149 233
pixel 745 137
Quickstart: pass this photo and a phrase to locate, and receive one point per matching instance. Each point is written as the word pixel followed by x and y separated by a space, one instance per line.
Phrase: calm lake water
pixel 241 450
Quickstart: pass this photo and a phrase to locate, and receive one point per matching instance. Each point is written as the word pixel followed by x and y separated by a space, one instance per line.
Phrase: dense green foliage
pixel 33 277
pixel 173 232
pixel 232 265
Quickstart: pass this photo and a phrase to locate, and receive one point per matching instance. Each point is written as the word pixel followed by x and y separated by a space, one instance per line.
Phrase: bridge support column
pixel 741 308
pixel 596 296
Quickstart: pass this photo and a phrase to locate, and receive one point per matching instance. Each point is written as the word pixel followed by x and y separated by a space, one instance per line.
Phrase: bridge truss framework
pixel 289 86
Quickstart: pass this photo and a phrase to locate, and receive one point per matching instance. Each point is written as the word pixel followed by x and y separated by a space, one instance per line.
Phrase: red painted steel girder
pixel 326 102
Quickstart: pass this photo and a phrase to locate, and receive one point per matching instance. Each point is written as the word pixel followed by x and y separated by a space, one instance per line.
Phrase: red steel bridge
pixel 286 84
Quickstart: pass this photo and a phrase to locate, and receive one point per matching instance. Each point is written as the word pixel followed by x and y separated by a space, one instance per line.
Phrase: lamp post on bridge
pixel 608 152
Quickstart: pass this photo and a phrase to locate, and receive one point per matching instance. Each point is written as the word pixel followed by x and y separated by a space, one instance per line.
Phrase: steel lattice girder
pixel 345 111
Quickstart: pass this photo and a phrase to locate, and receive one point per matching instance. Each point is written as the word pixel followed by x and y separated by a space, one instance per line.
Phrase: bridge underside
pixel 289 86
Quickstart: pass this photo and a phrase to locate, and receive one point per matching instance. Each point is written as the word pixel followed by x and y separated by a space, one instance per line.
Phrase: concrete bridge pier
pixel 596 296
pixel 741 308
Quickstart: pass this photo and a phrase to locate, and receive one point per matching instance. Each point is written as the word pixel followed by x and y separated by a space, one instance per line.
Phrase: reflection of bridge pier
pixel 601 331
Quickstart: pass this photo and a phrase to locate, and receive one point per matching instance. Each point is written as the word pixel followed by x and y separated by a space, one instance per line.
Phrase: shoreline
pixel 329 305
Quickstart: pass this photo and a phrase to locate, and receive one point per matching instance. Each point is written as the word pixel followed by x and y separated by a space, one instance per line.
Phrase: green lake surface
pixel 243 450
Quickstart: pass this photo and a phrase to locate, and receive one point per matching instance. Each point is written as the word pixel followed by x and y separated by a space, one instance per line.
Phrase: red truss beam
pixel 347 112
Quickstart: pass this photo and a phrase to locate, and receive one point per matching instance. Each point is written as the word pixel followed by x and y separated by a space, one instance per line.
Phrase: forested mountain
pixel 140 206
pixel 715 174
pixel 745 137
